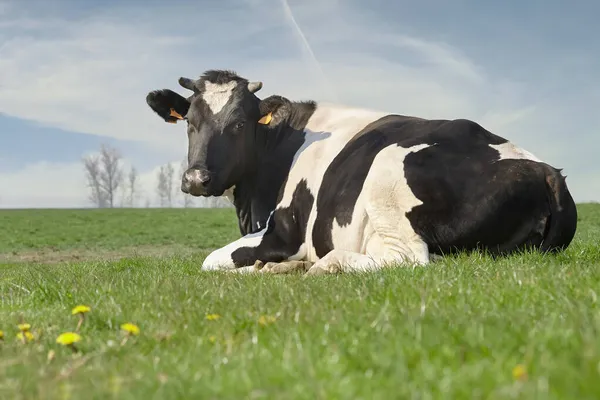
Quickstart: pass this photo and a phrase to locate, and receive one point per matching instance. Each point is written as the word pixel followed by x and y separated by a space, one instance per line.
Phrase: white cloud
pixel 92 75
pixel 92 80
pixel 43 184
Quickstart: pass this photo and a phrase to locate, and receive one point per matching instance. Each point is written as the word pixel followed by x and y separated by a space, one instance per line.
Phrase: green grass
pixel 26 230
pixel 453 330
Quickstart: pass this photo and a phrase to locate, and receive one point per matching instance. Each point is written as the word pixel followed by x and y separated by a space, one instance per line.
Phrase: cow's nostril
pixel 204 178
pixel 196 177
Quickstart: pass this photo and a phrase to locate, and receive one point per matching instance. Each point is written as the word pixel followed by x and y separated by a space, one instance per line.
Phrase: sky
pixel 75 74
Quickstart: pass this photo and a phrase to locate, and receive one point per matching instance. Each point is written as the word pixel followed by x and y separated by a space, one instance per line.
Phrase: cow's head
pixel 222 115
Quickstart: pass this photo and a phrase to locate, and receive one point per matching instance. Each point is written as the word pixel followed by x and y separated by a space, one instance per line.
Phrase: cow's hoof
pixel 324 269
pixel 286 267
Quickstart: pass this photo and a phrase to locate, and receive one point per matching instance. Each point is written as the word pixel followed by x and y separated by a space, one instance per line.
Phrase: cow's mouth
pixel 201 191
pixel 196 192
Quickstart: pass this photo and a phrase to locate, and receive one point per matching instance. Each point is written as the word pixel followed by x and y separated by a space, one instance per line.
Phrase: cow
pixel 328 188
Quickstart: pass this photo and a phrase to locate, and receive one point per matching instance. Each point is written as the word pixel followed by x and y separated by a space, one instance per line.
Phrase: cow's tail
pixel 562 219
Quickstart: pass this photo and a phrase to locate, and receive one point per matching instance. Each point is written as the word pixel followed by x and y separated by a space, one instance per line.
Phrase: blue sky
pixel 74 74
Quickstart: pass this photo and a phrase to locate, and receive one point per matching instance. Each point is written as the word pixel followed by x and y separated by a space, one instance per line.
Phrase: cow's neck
pixel 258 193
pixel 251 206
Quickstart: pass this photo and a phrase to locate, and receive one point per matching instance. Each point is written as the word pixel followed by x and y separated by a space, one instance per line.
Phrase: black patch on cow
pixel 562 222
pixel 460 158
pixel 474 203
pixel 257 194
pixel 221 76
pixel 161 102
pixel 285 232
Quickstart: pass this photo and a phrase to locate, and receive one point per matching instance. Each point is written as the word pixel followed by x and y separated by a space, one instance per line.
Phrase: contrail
pixel 290 16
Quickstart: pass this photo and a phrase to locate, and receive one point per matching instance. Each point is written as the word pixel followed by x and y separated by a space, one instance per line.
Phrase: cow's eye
pixel 239 126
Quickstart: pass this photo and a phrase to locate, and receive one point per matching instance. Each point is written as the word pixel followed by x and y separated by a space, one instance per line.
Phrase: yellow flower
pixel 213 317
pixel 25 335
pixel 1 335
pixel 265 320
pixel 131 328
pixel 519 372
pixel 80 310
pixel 68 338
pixel 24 327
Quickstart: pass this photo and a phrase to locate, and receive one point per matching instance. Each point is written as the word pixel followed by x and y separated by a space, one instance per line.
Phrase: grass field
pixel 455 329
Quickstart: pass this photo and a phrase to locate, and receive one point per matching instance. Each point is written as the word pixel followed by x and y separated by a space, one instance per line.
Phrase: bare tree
pixel 162 186
pixel 169 175
pixel 111 175
pixel 104 174
pixel 92 170
pixel 132 180
pixel 187 199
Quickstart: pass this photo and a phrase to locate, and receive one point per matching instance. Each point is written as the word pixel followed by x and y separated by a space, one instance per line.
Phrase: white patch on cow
pixel 348 261
pixel 509 151
pixel 380 233
pixel 344 261
pixel 326 133
pixel 328 130
pixel 217 95
pixel 220 259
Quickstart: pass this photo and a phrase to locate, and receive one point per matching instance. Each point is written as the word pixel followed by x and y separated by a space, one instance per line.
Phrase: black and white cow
pixel 349 189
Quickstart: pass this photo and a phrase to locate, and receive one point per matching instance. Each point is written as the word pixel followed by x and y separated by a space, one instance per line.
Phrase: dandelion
pixel 213 317
pixel 266 319
pixel 80 311
pixel 69 339
pixel 25 336
pixel 519 372
pixel 24 327
pixel 131 330
pixel 1 335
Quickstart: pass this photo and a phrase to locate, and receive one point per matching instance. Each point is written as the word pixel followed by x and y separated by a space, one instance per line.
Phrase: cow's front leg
pixel 337 261
pixel 285 267
pixel 269 245
pixel 228 257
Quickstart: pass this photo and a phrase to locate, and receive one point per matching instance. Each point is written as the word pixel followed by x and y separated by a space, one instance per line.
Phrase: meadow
pixel 465 327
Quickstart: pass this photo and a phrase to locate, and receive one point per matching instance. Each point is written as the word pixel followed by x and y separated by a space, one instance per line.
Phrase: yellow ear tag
pixel 175 114
pixel 266 119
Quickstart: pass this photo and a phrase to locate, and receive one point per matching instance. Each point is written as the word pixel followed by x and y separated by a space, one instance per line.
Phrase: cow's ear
pixel 169 105
pixel 273 110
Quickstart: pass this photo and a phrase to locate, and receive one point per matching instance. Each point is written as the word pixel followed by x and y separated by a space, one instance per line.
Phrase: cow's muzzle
pixel 196 182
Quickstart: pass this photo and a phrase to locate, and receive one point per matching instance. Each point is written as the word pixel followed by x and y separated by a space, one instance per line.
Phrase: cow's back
pixel 447 175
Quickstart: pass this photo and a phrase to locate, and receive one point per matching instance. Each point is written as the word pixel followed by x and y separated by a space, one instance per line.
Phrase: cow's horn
pixel 254 87
pixel 188 83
